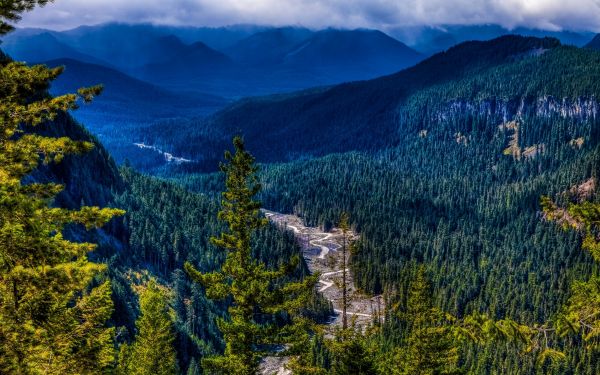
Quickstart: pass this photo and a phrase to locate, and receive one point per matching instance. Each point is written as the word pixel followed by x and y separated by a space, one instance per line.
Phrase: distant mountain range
pixel 240 61
pixel 44 46
pixel 430 40
pixel 245 63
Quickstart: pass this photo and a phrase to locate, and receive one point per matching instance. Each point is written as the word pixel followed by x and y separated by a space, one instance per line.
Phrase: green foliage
pixel 350 353
pixel 53 304
pixel 430 346
pixel 581 313
pixel 153 351
pixel 429 341
pixel 166 226
pixel 347 351
pixel 314 359
pixel 258 294
pixel 193 368
pixel 10 11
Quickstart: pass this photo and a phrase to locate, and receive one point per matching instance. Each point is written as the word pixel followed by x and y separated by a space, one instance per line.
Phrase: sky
pixel 555 15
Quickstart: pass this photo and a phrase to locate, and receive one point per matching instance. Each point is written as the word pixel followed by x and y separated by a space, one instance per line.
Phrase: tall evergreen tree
pixel 153 352
pixel 258 295
pixel 10 11
pixel 193 368
pixel 51 318
pixel 581 313
pixel 350 353
pixel 430 347
pixel 345 227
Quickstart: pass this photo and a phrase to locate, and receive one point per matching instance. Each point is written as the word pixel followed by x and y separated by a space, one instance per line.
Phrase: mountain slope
pixel 182 63
pixel 372 114
pixel 268 47
pixel 263 60
pixel 594 43
pixel 43 47
pixel 127 104
pixel 352 51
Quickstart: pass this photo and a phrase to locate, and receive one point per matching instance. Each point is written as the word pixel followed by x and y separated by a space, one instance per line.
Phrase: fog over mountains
pixel 381 14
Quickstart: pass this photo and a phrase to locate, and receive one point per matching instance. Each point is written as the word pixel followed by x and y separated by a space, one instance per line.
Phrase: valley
pixel 168 156
pixel 323 255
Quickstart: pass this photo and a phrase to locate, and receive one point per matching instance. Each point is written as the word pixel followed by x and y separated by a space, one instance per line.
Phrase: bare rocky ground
pixel 274 366
pixel 322 252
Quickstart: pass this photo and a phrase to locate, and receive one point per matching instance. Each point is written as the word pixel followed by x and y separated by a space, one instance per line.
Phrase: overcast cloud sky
pixel 381 14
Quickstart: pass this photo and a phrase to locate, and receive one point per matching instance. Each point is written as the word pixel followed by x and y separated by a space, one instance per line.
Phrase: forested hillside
pixel 74 307
pixel 451 175
pixel 165 226
pixel 381 113
pixel 463 189
pixel 120 115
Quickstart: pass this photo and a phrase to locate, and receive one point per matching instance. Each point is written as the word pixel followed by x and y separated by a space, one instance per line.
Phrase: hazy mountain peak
pixel 594 43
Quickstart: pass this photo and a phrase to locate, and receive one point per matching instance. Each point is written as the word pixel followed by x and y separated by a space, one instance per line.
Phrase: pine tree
pixel 581 313
pixel 153 352
pixel 10 11
pixel 430 348
pixel 350 353
pixel 344 226
pixel 314 360
pixel 51 318
pixel 193 368
pixel 258 295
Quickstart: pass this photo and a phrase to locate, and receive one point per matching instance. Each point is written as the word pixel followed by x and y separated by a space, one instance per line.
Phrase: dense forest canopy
pixel 459 175
pixel 459 184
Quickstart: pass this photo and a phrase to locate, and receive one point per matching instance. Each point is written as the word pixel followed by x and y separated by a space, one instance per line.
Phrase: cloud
pixel 381 14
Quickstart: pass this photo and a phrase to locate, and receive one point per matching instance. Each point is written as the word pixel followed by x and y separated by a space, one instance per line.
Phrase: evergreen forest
pixel 465 189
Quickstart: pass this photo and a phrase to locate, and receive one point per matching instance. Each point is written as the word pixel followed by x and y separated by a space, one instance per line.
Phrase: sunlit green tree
pixel 259 296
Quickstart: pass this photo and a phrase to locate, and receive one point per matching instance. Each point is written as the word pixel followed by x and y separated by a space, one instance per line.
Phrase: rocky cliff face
pixel 581 108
